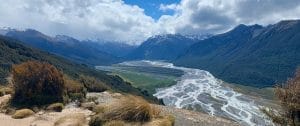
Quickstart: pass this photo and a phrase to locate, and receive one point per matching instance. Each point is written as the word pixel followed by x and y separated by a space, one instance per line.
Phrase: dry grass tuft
pixel 115 123
pixel 131 109
pixel 162 121
pixel 99 109
pixel 71 120
pixel 156 111
pixel 97 120
pixel 22 113
pixel 56 107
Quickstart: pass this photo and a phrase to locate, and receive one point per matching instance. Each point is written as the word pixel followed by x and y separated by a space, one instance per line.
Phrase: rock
pixel 56 107
pixel 88 105
pixel 77 119
pixel 22 113
pixel 4 100
pixel 5 91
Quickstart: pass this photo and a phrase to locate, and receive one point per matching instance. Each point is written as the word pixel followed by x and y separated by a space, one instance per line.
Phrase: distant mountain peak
pixel 65 39
pixel 243 27
pixel 5 30
pixel 282 25
pixel 165 37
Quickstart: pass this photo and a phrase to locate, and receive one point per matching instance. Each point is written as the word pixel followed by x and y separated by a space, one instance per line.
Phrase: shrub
pixel 22 113
pixel 74 89
pixel 57 107
pixel 289 96
pixel 275 116
pixel 77 119
pixel 92 84
pixel 37 83
pixel 131 108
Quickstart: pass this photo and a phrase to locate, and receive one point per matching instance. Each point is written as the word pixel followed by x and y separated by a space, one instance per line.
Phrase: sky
pixel 133 21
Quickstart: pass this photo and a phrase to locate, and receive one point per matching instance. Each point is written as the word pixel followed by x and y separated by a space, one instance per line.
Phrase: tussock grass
pixel 56 107
pixel 99 109
pixel 131 109
pixel 128 109
pixel 22 113
pixel 97 120
pixel 77 119
pixel 162 121
pixel 156 111
pixel 115 123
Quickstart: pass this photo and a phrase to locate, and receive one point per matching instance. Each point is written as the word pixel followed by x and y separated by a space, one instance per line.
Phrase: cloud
pixel 216 16
pixel 83 19
pixel 116 21
pixel 164 7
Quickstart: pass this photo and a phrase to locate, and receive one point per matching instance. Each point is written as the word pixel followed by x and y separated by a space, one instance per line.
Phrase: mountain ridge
pixel 253 55
pixel 87 52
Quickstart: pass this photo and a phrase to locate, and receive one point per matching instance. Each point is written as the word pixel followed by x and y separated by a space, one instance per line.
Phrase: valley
pixel 196 90
pixel 150 63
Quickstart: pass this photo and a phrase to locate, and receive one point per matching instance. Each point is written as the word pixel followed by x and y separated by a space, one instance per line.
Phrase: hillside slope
pixel 73 49
pixel 182 117
pixel 253 55
pixel 12 52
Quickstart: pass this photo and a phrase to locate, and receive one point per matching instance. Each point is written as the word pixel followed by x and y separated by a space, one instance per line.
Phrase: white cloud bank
pixel 114 20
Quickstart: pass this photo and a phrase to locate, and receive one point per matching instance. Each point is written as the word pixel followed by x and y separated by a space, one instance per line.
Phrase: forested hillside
pixel 253 55
pixel 12 52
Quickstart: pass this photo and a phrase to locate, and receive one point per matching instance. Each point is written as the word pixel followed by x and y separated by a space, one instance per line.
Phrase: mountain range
pixel 87 52
pixel 253 55
pixel 163 47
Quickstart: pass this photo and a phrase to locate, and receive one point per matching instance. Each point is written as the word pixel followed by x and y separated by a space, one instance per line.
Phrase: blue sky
pixel 121 20
pixel 151 7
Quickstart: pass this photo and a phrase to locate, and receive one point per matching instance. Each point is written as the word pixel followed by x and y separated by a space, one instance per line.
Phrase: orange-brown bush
pixel 289 96
pixel 37 83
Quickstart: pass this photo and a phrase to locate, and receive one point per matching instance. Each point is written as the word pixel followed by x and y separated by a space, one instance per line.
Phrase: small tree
pixel 289 96
pixel 37 83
